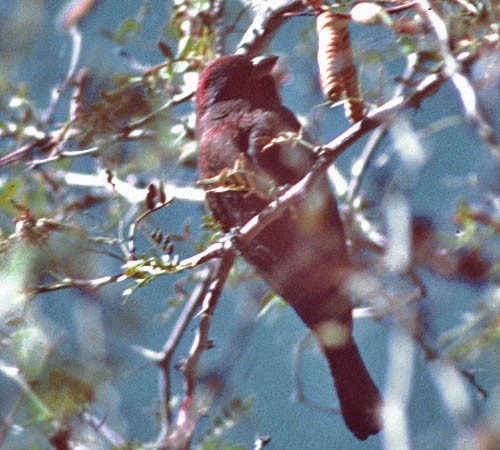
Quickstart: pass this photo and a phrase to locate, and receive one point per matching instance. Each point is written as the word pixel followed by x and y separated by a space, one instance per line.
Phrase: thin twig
pixel 170 346
pixel 8 421
pixel 329 152
pixel 189 412
pixel 453 69
pixel 76 40
pixel 104 430
pixel 299 394
pixel 361 165
pixel 133 228
pixel 91 284
pixel 178 99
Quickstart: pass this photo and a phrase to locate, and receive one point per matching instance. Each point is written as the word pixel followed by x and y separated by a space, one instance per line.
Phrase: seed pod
pixel 338 76
pixel 333 46
pixel 354 106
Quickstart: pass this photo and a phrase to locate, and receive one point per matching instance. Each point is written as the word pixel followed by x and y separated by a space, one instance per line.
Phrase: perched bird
pixel 247 157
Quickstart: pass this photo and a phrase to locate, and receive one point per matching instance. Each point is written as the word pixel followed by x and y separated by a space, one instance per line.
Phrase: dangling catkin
pixel 338 76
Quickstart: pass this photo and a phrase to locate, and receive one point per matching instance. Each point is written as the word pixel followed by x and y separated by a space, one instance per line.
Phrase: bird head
pixel 236 77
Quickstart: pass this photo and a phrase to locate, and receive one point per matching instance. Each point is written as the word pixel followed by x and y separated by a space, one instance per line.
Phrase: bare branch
pixel 453 69
pixel 191 409
pixel 269 18
pixel 193 303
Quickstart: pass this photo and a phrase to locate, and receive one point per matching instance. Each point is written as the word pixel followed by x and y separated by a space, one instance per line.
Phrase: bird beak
pixel 263 65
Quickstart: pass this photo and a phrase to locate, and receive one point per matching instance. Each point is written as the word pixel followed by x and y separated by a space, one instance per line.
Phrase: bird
pixel 248 156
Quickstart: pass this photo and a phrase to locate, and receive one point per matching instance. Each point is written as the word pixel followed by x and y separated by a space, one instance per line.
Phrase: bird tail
pixel 360 400
pixel 331 321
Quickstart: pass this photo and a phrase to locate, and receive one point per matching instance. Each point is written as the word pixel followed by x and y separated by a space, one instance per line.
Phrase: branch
pixel 76 41
pixel 328 153
pixel 269 18
pixel 126 190
pixel 192 409
pixel 453 70
pixel 170 346
pixel 362 163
